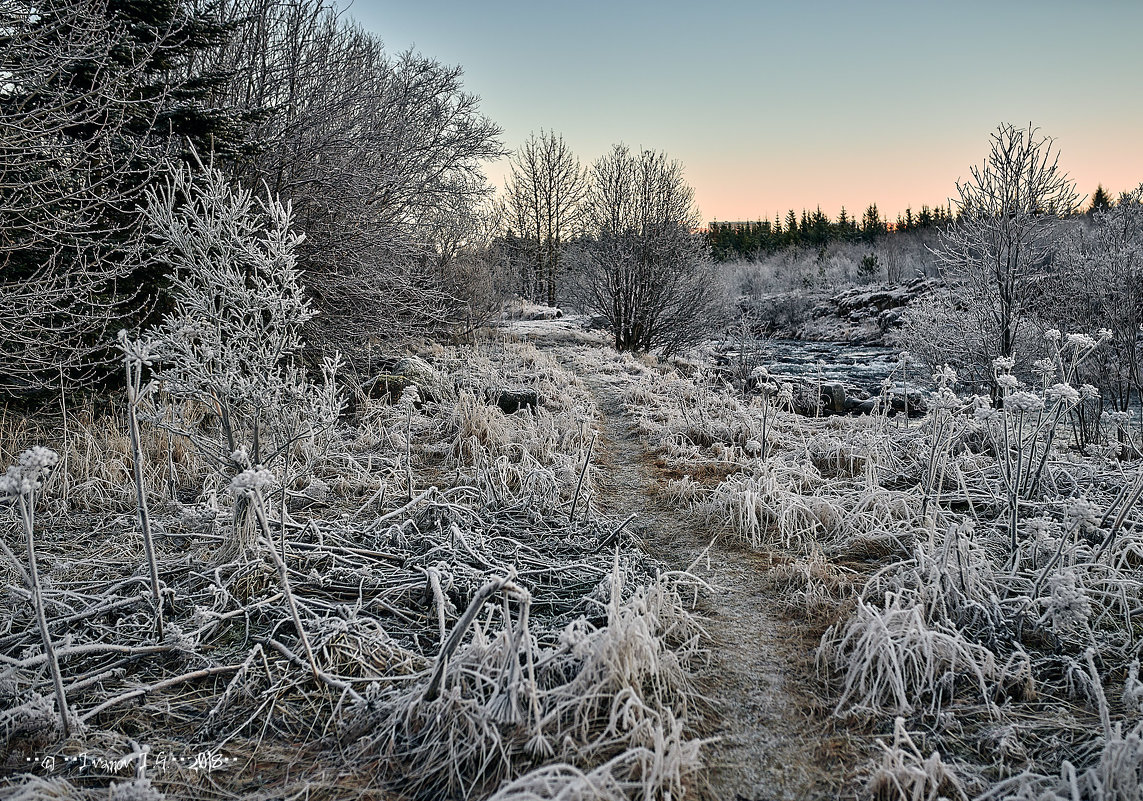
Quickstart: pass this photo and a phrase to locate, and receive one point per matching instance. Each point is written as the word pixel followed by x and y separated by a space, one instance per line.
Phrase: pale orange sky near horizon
pixel 772 106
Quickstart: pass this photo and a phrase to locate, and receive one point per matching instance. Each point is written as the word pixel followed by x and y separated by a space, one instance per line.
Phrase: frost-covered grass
pixel 978 577
pixel 414 609
pixel 430 599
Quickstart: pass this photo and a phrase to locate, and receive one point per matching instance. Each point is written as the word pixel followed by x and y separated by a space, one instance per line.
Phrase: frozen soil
pixel 774 738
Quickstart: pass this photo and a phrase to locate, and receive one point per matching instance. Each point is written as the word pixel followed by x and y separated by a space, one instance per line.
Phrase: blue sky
pixel 773 106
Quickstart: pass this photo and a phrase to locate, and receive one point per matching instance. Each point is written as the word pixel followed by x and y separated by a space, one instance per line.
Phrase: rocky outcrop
pixel 811 398
pixel 859 315
pixel 883 306
pixel 409 371
pixel 511 401
pixel 417 370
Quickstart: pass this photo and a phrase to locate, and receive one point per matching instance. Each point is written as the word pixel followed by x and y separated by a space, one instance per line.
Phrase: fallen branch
pixel 162 685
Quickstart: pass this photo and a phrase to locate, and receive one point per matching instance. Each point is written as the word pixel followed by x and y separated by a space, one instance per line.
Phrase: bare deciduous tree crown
pixel 641 265
pixel 542 211
pixel 1009 212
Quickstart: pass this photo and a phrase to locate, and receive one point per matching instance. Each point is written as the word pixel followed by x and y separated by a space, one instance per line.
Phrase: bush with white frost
pixel 226 356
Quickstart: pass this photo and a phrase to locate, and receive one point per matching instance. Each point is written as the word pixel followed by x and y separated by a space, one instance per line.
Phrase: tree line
pixel 732 241
pixel 745 240
pixel 376 156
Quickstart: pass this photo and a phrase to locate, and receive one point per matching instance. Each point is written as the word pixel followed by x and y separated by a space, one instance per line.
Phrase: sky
pixel 778 105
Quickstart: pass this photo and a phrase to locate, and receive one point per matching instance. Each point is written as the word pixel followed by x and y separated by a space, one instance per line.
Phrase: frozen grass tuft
pixel 891 659
pixel 491 708
pixel 770 506
pixel 1117 775
pixel 905 774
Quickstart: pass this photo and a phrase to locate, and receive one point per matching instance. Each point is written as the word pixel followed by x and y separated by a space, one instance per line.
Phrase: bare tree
pixel 1007 229
pixel 1097 282
pixel 642 265
pixel 378 154
pixel 543 197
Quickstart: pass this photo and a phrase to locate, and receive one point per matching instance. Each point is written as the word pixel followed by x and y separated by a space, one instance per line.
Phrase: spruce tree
pixel 1100 200
pixel 843 225
pixel 792 237
pixel 100 98
pixel 871 224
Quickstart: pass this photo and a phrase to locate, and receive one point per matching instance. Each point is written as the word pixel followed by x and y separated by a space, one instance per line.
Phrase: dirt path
pixel 760 665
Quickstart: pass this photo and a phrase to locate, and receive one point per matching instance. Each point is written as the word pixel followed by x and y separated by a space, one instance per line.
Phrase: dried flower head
pixel 410 397
pixel 1007 381
pixel 1082 513
pixel 1068 608
pixel 240 457
pixel 1079 342
pixel 944 399
pixel 945 377
pixel 1039 528
pixel 137 351
pixel 24 477
pixel 1120 419
pixel 1024 402
pixel 254 479
pixel 1044 368
pixel 1063 393
pixel 38 458
pixel 985 413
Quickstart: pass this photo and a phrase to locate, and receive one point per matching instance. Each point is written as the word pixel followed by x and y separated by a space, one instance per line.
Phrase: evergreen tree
pixel 843 225
pixel 791 237
pixel 1100 200
pixel 98 99
pixel 819 228
pixel 872 226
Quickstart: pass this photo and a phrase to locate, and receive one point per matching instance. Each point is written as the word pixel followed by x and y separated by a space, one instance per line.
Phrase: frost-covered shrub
pixel 226 353
pixel 1097 281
